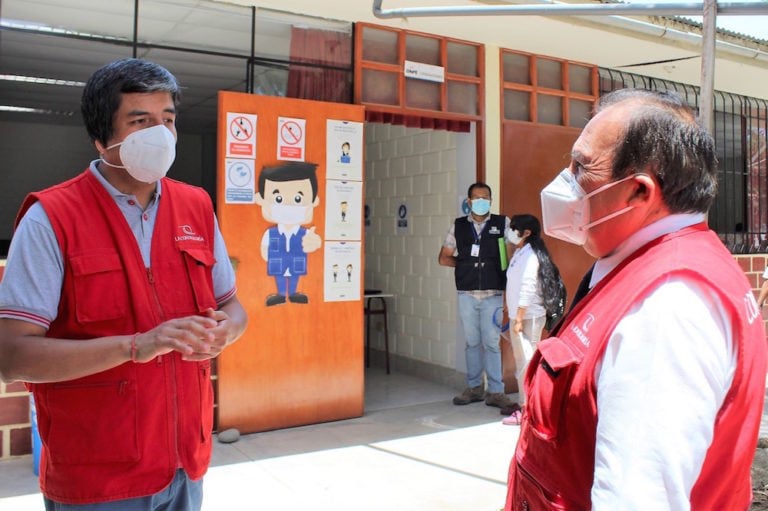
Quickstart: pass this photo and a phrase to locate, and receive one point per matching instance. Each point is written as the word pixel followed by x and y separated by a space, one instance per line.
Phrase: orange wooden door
pixel 532 155
pixel 297 363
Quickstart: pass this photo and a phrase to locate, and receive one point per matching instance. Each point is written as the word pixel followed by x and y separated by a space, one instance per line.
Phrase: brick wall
pixel 15 432
pixel 754 266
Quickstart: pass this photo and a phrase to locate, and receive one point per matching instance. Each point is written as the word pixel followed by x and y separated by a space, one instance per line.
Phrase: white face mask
pixel 289 215
pixel 565 208
pixel 513 237
pixel 147 154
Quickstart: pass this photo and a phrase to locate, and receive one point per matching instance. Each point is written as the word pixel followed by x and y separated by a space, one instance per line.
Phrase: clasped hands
pixel 195 337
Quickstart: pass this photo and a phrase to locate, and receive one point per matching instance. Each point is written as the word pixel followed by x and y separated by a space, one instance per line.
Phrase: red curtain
pixel 320 48
pixel 331 48
pixel 416 121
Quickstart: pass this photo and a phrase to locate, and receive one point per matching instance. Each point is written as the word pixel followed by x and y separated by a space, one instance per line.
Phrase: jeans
pixel 482 349
pixel 523 346
pixel 182 494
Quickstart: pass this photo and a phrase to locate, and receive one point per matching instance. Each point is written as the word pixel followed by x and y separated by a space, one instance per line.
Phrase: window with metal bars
pixel 740 212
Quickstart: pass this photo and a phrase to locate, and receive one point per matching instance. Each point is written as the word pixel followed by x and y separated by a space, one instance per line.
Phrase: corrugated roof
pixel 691 25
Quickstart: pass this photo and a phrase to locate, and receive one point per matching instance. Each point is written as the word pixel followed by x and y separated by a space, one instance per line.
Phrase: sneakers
pixel 499 400
pixel 513 420
pixel 470 395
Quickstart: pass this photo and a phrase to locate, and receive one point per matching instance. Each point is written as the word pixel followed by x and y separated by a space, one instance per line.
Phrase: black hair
pixel 662 134
pixel 478 185
pixel 103 92
pixel 291 171
pixel 549 274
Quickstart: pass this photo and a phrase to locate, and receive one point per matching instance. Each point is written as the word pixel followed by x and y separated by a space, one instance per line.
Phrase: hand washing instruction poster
pixel 240 184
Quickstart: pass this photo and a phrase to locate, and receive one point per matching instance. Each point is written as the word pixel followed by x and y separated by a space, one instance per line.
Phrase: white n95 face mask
pixel 147 154
pixel 565 208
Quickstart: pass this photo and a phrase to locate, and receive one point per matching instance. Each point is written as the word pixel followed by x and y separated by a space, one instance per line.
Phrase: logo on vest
pixel 187 233
pixel 751 309
pixel 494 230
pixel 587 322
pixel 581 331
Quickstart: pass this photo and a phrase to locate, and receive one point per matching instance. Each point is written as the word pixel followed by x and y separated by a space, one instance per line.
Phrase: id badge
pixel 475 250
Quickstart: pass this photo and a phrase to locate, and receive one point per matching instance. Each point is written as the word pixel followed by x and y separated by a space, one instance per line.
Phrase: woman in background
pixel 532 288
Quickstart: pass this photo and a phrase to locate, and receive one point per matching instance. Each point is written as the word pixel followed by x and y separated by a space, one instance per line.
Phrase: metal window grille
pixel 740 212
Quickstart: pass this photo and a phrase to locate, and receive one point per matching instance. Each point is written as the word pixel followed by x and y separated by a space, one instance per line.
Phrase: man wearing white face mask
pixel 472 248
pixel 649 393
pixel 118 292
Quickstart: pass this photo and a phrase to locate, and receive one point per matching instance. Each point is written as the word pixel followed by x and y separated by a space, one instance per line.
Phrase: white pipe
pixel 671 9
pixel 608 16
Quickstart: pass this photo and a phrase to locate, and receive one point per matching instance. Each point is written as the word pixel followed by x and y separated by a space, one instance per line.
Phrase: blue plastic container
pixel 37 445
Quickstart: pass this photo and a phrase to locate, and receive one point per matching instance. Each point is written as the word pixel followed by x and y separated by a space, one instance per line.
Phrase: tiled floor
pixel 412 450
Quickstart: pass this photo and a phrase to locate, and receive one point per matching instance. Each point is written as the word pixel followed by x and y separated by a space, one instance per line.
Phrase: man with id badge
pixel 475 248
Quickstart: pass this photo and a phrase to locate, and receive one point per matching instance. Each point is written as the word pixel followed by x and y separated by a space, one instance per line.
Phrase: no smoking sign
pixel 290 140
pixel 241 135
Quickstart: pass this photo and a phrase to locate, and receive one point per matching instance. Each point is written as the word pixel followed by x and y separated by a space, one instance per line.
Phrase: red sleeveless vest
pixel 553 465
pixel 122 433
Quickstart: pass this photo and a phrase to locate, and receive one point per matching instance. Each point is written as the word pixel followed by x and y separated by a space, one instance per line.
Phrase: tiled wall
pixel 418 168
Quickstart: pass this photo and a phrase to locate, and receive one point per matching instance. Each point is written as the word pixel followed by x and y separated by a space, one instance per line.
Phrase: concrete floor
pixel 411 450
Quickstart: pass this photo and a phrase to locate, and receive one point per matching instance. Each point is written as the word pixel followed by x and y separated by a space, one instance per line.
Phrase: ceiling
pixel 56 40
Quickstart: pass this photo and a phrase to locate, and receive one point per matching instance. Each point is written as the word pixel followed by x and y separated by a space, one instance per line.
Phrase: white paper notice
pixel 240 181
pixel 343 209
pixel 344 150
pixel 342 271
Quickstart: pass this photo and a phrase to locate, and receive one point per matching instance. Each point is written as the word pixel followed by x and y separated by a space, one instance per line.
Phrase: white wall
pixel 429 170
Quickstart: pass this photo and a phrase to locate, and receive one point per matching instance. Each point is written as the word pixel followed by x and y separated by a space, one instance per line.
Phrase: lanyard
pixel 474 231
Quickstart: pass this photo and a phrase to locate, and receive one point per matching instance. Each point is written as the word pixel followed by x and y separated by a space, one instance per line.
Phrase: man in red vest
pixel 117 294
pixel 649 394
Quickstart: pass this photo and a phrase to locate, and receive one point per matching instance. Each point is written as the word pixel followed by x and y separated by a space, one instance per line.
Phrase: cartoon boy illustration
pixel 288 196
pixel 345 157
pixel 344 205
